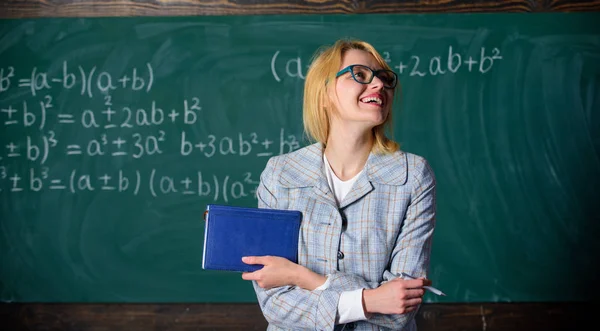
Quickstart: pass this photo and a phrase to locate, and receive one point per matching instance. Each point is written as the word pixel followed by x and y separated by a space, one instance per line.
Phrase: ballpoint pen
pixel 429 288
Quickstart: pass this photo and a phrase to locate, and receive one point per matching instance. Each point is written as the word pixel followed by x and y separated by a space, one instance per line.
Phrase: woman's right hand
pixel 398 296
pixel 279 271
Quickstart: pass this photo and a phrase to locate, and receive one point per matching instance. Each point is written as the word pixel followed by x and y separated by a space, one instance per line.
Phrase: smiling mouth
pixel 372 100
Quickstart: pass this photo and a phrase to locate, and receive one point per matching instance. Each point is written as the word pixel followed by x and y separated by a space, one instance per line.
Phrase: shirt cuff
pixel 350 307
pixel 324 286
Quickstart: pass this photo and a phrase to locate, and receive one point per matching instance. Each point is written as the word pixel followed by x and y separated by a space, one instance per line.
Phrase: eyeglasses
pixel 364 75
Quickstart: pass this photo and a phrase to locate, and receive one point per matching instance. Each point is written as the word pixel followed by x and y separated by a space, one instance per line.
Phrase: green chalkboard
pixel 115 133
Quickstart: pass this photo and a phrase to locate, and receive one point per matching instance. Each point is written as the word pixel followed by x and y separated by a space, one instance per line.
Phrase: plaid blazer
pixel 384 226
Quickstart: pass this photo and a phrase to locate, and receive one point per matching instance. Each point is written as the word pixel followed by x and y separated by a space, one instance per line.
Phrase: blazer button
pixel 340 255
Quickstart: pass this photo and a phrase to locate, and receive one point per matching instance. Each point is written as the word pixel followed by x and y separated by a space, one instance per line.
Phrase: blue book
pixel 233 232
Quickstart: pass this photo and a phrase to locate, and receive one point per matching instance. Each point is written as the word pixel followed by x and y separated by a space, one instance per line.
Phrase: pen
pixel 429 288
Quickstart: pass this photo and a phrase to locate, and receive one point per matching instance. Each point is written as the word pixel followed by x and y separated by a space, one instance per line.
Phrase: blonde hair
pixel 323 69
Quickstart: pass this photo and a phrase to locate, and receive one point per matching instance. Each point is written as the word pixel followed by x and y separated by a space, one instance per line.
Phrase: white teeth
pixel 376 100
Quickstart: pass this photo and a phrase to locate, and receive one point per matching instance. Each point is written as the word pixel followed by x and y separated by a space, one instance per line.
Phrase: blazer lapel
pixel 323 190
pixel 389 169
pixel 304 168
pixel 361 187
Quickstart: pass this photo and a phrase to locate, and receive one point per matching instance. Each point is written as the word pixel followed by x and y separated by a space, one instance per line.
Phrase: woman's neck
pixel 348 154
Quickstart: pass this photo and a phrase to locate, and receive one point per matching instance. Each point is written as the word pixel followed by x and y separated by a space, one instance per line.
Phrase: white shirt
pixel 350 306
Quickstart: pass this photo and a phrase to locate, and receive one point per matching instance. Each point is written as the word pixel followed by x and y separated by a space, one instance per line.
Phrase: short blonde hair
pixel 323 69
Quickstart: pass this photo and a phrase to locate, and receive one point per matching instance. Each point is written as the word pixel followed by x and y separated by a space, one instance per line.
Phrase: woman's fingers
pixel 277 271
pixel 413 302
pixel 415 293
pixel 249 275
pixel 413 283
pixel 255 259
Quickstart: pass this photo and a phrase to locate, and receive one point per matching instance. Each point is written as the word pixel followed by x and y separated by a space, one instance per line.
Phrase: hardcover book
pixel 233 232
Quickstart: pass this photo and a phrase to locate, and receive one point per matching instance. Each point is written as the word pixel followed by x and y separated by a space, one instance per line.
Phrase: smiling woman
pixel 499 103
pixel 368 208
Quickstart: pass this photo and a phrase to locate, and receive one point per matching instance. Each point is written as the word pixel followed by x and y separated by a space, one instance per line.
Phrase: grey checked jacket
pixel 384 226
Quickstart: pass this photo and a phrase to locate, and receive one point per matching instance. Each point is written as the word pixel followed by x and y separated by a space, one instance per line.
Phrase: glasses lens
pixel 387 77
pixel 362 74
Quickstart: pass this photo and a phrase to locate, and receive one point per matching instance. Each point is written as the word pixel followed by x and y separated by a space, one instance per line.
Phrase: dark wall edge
pixel 95 8
pixel 189 316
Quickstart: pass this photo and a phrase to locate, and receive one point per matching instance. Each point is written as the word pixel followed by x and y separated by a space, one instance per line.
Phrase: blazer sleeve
pixel 292 307
pixel 411 254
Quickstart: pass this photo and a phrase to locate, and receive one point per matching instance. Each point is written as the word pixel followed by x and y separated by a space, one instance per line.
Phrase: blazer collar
pixel 304 168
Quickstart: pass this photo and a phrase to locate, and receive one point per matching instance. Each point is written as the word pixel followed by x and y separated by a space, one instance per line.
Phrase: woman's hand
pixel 279 271
pixel 398 296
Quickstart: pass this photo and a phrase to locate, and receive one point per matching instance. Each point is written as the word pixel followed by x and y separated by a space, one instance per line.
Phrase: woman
pixel 368 208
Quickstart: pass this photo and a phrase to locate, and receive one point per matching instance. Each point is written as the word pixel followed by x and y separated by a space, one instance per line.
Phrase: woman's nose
pixel 376 82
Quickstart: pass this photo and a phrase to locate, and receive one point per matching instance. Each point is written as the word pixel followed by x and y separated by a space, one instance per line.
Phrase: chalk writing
pixel 88 80
pixel 41 133
pixel 156 182
pixel 449 62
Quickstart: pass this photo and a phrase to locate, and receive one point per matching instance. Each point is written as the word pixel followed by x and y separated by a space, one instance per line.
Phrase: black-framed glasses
pixel 364 75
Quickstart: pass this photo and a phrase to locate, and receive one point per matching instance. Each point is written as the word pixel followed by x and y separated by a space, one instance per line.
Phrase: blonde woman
pixel 368 208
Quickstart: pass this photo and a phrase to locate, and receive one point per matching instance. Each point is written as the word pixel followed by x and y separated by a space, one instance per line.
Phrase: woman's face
pixel 362 106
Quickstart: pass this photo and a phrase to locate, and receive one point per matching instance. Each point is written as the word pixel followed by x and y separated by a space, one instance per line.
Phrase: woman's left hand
pixel 277 271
